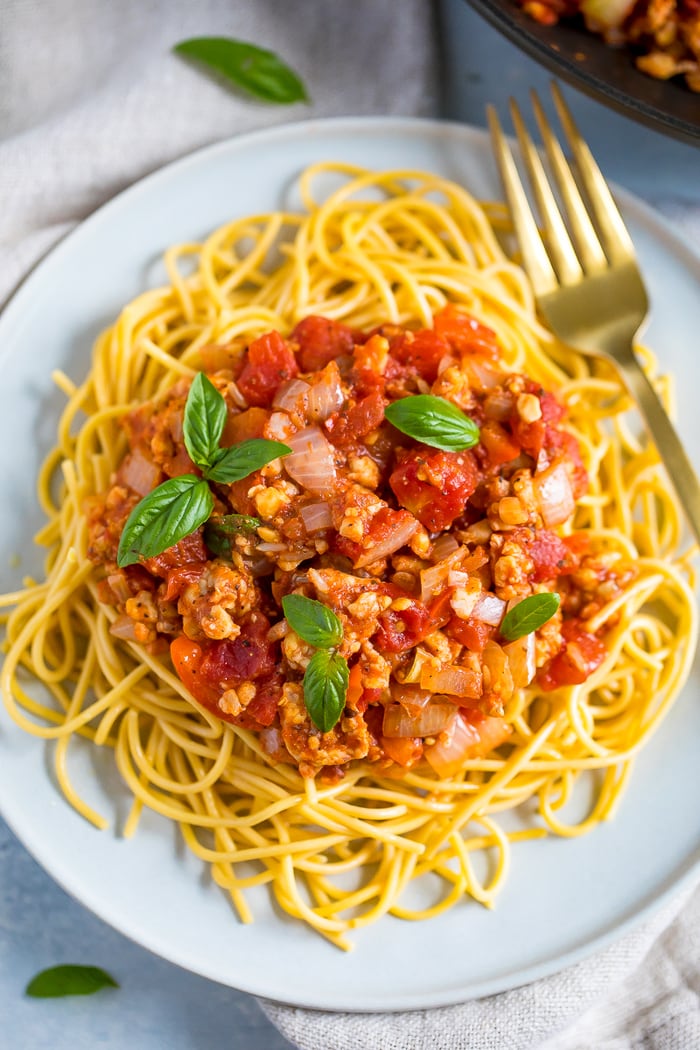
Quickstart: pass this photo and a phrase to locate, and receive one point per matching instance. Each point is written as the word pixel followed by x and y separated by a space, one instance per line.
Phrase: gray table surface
pixel 159 1005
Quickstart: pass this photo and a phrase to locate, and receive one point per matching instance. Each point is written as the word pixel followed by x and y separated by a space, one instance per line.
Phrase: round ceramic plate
pixel 563 898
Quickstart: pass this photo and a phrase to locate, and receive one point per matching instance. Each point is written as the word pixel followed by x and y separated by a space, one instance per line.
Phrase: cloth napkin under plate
pixel 91 98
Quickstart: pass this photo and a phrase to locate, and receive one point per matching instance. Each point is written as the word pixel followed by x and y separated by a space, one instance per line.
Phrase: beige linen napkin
pixel 639 994
pixel 90 100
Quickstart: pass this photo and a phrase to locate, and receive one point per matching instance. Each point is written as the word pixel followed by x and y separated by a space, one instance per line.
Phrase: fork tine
pixel 587 244
pixel 535 259
pixel 561 250
pixel 613 232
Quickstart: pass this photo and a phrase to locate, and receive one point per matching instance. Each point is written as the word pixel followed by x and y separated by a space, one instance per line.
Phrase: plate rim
pixel 11 313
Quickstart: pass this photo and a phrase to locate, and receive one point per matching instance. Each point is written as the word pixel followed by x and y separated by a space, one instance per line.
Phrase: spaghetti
pixel 392 249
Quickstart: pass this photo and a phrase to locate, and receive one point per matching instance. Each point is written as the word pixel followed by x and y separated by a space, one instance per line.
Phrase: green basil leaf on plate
pixel 204 420
pixel 325 689
pixel 529 615
pixel 434 421
pixel 313 621
pixel 172 511
pixel 235 463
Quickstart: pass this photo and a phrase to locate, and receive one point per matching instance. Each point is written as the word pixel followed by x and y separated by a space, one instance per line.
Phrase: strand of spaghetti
pixel 136 809
pixel 168 783
pixel 464 813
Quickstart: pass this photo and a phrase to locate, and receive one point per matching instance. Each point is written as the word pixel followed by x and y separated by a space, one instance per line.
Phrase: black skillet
pixel 607 74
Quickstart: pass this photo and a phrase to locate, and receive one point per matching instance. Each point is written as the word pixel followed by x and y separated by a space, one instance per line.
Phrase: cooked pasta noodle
pixel 393 247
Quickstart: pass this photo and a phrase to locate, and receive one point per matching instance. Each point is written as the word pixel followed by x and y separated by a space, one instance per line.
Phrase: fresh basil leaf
pixel 69 979
pixel 259 72
pixel 434 421
pixel 219 531
pixel 529 615
pixel 325 689
pixel 203 423
pixel 172 511
pixel 314 622
pixel 233 464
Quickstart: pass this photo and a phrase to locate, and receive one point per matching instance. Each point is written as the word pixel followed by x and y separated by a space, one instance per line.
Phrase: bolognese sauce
pixel 420 552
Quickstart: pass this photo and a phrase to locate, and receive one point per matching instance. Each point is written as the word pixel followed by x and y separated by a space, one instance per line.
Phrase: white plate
pixel 564 898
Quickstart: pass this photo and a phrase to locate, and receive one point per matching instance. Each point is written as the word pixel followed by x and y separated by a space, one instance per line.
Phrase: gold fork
pixel 588 286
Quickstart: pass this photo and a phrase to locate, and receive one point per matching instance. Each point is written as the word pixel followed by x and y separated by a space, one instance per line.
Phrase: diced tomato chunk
pixel 178 579
pixel 214 358
pixel 402 630
pixel 578 658
pixel 558 442
pixel 208 670
pixel 551 556
pixel 350 426
pixel 269 363
pixel 552 410
pixel 374 719
pixel 320 341
pixel 187 659
pixel 530 436
pixel 421 350
pixel 501 447
pixel 354 693
pixel 473 634
pixel 230 662
pixel 186 551
pixel 464 333
pixel 404 750
pixel 243 426
pixel 262 709
pixel 440 610
pixel 435 485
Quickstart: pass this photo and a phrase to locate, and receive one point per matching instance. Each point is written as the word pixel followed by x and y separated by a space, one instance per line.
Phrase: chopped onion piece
pixel 311 461
pixel 457 578
pixel 272 548
pixel 325 396
pixel 413 672
pixel 316 516
pixel 605 14
pixel 521 660
pixel 450 752
pixel 445 362
pixel 259 565
pixel 464 599
pixel 119 587
pixel 554 494
pixel 124 627
pixel 498 678
pixel 482 376
pixel 292 396
pixel 411 697
pixel 139 473
pixel 444 546
pixel 434 580
pixel 453 680
pixel 489 609
pixel 498 405
pixel 463 740
pixel 273 744
pixel 397 539
pixel 430 721
pixel 279 427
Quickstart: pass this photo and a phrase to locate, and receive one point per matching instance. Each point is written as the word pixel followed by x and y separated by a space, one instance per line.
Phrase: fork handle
pixel 680 470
